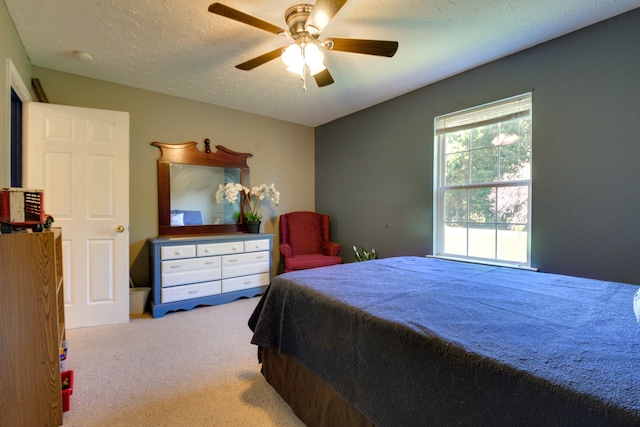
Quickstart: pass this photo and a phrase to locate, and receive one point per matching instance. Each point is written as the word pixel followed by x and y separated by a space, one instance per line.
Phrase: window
pixel 483 183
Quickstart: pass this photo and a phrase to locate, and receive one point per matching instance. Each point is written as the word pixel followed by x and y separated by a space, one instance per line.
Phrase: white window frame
pixel 466 118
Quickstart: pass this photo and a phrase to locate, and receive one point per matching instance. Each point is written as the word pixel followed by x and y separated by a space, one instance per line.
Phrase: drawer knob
pixel 178 252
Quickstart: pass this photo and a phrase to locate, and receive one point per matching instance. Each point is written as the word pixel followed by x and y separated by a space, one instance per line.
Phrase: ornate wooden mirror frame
pixel 188 153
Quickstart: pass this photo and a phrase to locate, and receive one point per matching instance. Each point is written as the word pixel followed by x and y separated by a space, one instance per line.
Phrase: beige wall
pixel 10 48
pixel 157 117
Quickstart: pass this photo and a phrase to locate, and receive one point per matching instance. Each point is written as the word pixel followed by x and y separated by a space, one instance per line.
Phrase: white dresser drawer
pixel 181 278
pixel 245 282
pixel 246 258
pixel 209 249
pixel 175 266
pixel 179 293
pixel 256 245
pixel 177 252
pixel 245 264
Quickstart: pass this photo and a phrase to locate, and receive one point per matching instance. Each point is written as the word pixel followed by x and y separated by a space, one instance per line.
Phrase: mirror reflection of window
pixel 193 194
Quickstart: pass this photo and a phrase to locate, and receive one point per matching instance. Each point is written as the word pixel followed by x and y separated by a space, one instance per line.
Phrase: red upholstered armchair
pixel 305 241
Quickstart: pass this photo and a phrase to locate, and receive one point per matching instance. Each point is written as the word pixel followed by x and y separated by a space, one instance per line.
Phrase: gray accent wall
pixel 374 168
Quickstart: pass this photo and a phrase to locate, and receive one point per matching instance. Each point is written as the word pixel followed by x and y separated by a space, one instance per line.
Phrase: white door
pixel 80 158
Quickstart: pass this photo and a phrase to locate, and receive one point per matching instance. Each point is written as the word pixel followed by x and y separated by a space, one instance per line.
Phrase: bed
pixel 423 341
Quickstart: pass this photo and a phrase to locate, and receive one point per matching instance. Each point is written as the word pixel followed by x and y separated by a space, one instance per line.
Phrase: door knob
pixel 120 229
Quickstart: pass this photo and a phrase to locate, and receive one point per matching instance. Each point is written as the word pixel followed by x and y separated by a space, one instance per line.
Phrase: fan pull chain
pixel 304 70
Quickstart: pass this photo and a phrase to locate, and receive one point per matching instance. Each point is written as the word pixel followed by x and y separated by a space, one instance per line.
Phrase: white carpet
pixel 188 368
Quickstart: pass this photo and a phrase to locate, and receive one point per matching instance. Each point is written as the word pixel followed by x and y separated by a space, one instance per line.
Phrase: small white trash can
pixel 138 299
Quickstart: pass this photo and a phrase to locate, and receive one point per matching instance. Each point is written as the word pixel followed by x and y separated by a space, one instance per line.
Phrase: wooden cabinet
pixel 31 328
pixel 207 270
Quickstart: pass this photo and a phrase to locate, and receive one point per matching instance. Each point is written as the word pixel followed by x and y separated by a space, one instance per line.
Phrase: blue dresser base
pixel 189 304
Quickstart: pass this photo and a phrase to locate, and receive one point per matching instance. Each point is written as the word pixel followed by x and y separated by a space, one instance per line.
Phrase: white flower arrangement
pixel 250 197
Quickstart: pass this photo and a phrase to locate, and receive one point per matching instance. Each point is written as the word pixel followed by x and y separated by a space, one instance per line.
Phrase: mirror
pixel 193 194
pixel 187 182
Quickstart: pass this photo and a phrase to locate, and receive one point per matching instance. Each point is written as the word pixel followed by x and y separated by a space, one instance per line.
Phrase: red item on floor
pixel 67 389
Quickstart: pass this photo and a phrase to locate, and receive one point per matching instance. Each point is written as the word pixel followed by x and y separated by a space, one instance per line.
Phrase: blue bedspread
pixel 424 341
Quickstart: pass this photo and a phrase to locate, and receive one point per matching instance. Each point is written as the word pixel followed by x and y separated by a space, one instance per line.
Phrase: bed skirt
pixel 311 399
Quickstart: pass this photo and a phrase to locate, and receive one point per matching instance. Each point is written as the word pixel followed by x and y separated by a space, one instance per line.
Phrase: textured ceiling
pixel 179 48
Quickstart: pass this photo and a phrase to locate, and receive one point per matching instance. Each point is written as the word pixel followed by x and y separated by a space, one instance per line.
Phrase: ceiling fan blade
pixel 259 60
pixel 323 78
pixel 236 15
pixel 367 47
pixel 323 11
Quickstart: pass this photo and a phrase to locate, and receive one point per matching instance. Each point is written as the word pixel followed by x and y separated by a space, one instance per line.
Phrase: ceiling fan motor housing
pixel 296 18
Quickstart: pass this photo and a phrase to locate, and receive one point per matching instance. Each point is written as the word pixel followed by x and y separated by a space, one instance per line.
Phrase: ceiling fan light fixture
pixel 296 57
pixel 292 58
pixel 314 59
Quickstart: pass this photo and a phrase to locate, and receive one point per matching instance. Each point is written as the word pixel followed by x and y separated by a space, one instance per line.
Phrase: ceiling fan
pixel 305 23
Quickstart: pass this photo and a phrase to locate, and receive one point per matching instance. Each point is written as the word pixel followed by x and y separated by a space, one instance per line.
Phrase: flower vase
pixel 253 226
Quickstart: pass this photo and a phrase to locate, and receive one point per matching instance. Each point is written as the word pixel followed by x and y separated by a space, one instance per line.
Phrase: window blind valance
pixel 507 109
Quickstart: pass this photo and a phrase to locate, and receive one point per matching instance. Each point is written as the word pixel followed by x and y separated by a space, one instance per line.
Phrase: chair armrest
pixel 285 250
pixel 331 248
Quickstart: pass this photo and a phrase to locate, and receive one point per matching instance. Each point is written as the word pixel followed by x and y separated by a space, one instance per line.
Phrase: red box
pixel 67 377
